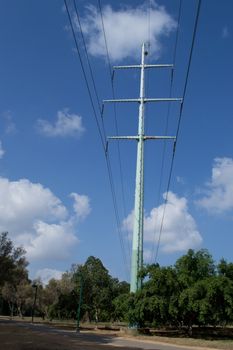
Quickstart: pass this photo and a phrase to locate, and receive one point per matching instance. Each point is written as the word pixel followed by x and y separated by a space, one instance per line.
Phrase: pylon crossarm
pixel 144 100
pixel 169 99
pixel 123 100
pixel 158 65
pixel 159 138
pixel 144 138
pixel 123 138
pixel 145 66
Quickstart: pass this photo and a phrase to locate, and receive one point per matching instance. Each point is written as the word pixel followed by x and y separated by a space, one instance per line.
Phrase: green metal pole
pixel 137 246
pixel 137 249
pixel 80 304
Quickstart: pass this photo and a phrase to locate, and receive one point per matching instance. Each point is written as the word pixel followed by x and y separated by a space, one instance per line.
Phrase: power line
pixel 87 56
pixel 179 122
pixel 168 115
pixel 84 74
pixel 100 134
pixel 105 40
pixel 90 68
pixel 116 210
pixel 115 113
pixel 149 20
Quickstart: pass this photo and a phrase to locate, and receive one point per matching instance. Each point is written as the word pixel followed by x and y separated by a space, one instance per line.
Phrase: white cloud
pixel 47 274
pixel 67 124
pixel 81 205
pixel 218 194
pixel 51 241
pixel 10 127
pixel 36 219
pixel 126 29
pixel 2 152
pixel 179 228
pixel 225 32
pixel 23 201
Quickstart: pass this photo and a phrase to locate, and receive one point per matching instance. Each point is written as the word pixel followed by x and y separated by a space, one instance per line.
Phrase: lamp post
pixel 34 303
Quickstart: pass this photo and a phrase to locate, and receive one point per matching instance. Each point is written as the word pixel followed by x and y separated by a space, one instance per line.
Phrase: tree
pixel 60 297
pixel 158 297
pixel 208 301
pixel 225 269
pixel 12 260
pixel 97 289
pixel 122 305
pixel 194 266
pixel 49 299
pixel 19 297
pixel 13 273
pixel 189 293
pixel 217 306
pixel 9 294
pixel 190 302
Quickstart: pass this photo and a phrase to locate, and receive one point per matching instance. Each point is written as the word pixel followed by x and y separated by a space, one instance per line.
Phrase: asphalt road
pixel 25 336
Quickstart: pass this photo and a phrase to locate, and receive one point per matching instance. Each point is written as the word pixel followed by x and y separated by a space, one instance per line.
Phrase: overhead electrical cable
pixel 147 79
pixel 84 74
pixel 179 122
pixel 103 139
pixel 111 74
pixel 167 118
pixel 87 56
pixel 149 21
pixel 89 66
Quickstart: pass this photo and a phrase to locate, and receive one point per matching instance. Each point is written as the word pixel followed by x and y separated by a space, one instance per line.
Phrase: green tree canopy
pixel 194 266
pixel 13 273
pixel 225 269
pixel 12 260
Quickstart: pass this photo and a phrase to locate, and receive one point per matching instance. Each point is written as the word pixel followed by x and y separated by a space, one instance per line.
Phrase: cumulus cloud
pixel 2 152
pixel 36 219
pixel 126 29
pixel 47 274
pixel 67 124
pixel 9 125
pixel 81 205
pixel 179 229
pixel 23 201
pixel 218 193
pixel 51 241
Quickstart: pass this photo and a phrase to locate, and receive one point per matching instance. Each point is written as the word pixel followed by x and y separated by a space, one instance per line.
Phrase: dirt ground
pixel 22 336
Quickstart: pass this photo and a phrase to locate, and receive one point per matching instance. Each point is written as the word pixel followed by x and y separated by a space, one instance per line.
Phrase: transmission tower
pixel 137 247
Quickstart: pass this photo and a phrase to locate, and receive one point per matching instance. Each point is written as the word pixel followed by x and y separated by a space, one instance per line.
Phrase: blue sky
pixel 54 189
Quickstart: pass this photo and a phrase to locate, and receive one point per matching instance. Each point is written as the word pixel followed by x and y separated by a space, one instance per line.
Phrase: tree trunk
pixel 11 307
pixel 190 330
pixel 96 315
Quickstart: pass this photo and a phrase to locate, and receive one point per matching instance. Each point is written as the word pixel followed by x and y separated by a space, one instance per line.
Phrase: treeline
pixel 195 291
pixel 59 299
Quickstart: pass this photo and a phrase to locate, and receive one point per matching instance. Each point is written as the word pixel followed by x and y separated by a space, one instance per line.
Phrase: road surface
pixel 25 336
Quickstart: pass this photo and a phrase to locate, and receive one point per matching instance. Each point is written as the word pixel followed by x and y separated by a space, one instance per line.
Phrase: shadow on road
pixel 17 335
